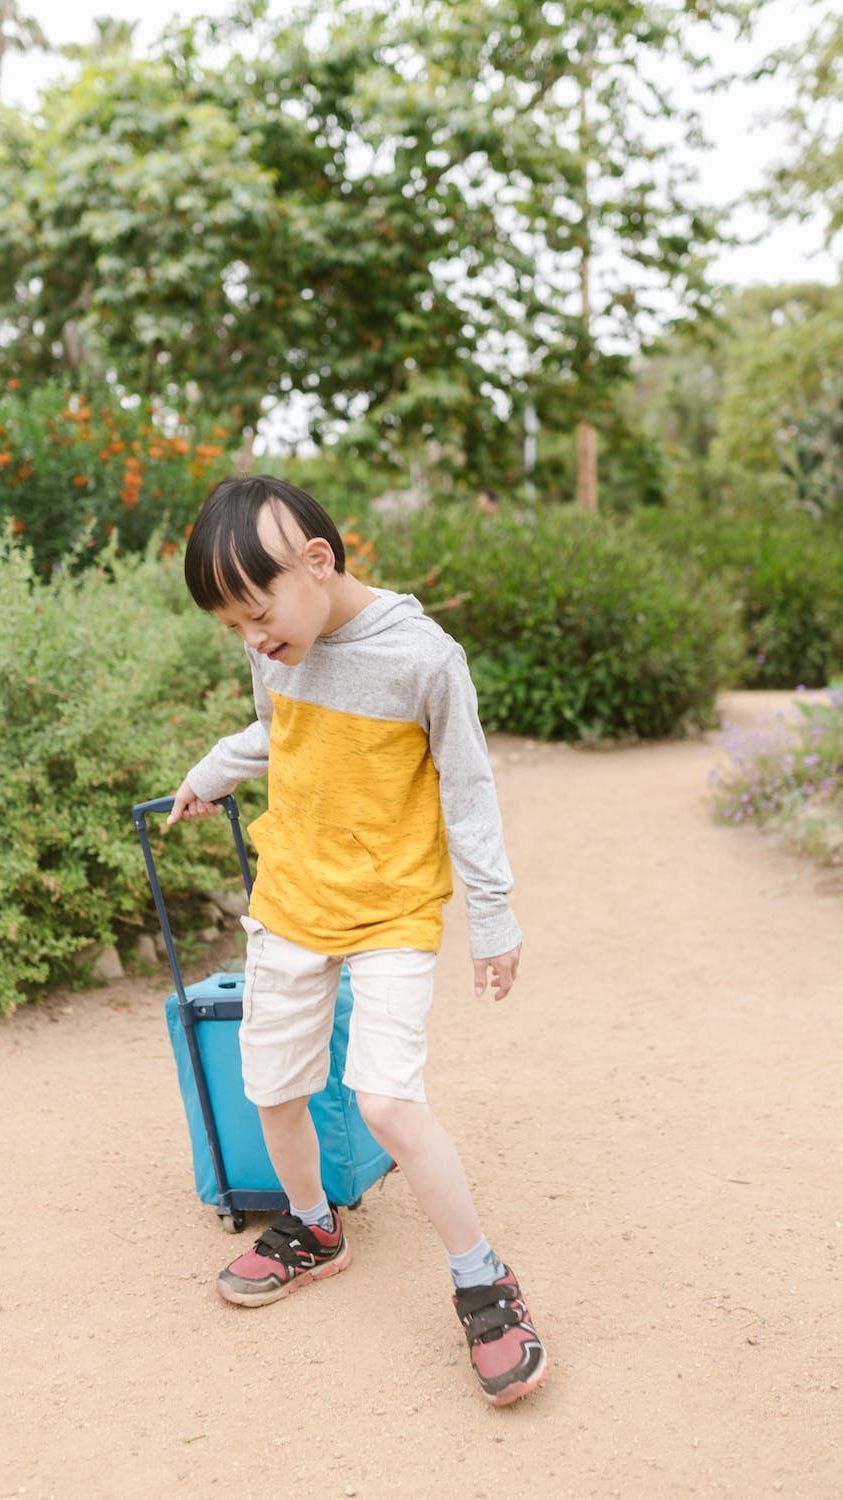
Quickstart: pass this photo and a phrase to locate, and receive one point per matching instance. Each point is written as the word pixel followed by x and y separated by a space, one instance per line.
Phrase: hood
pixel 387 610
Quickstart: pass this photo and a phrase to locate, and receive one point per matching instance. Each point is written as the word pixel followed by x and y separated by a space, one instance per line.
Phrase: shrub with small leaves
pixel 78 468
pixel 575 626
pixel 783 569
pixel 112 685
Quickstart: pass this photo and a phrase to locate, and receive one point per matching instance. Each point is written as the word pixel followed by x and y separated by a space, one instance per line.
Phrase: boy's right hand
pixel 186 804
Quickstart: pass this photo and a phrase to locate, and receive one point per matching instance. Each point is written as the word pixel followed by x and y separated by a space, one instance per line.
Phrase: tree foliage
pixel 383 212
pixel 812 176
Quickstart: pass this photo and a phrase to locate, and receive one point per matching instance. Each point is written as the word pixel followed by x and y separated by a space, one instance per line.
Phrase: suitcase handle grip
pixel 140 811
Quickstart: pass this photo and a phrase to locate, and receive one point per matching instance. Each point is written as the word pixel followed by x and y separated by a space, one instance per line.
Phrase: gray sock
pixel 319 1214
pixel 478 1266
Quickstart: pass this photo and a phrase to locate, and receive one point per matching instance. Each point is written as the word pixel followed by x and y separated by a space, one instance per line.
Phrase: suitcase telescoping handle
pixel 164 805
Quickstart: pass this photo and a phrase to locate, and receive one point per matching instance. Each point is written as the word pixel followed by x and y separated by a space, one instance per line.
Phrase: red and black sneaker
pixel 289 1254
pixel 507 1355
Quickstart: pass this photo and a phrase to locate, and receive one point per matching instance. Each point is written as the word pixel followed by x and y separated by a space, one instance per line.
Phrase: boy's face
pixel 284 620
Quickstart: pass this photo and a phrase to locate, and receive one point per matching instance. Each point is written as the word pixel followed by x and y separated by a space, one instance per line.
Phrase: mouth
pixel 278 651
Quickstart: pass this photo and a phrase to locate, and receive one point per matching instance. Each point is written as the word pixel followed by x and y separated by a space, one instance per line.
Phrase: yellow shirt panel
pixel 352 851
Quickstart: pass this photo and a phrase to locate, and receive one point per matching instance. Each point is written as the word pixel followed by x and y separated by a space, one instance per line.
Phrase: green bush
pixel 576 627
pixel 112 685
pixel 85 466
pixel 783 569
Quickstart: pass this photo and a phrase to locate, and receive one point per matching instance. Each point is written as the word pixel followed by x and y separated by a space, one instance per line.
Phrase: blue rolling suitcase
pixel 230 1163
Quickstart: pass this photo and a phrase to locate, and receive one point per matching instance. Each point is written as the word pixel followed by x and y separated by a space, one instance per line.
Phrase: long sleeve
pixel 470 806
pixel 237 757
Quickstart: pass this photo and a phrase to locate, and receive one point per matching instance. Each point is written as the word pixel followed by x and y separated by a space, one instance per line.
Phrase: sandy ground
pixel 653 1126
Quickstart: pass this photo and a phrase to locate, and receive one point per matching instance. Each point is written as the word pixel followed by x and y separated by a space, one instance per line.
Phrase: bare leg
pixel 293 1148
pixel 427 1156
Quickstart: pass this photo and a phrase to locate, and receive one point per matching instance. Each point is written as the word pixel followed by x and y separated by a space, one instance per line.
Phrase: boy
pixel 378 772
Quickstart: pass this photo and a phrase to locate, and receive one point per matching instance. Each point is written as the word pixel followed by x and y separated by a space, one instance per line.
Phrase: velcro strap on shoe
pixel 485 1311
pixel 285 1238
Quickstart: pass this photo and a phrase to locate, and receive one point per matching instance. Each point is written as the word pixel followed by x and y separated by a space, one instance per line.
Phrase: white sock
pixel 478 1266
pixel 319 1214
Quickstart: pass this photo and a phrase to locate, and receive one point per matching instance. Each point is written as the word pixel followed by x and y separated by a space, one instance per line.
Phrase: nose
pixel 254 635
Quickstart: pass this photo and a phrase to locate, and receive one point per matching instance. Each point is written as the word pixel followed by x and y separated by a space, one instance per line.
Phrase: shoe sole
pixel 232 1293
pixel 520 1388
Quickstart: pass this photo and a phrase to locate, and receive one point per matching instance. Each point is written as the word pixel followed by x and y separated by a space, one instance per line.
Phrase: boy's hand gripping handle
pixel 164 805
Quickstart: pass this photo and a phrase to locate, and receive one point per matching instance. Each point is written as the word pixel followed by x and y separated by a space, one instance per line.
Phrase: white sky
pixel 742 147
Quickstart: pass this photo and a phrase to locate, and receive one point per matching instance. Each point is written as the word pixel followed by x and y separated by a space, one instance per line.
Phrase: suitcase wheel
pixel 233 1223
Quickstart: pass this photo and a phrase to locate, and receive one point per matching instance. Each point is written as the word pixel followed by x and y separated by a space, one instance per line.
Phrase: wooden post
pixel 587 492
pixel 586 466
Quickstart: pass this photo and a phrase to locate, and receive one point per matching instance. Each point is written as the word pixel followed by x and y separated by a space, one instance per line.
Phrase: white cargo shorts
pixel 288 1015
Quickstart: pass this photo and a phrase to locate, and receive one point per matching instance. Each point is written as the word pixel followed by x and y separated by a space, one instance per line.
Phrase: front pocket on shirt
pixel 326 870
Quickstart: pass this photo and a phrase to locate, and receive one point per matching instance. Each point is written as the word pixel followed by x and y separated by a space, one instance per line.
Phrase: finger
pixel 480 976
pixel 503 981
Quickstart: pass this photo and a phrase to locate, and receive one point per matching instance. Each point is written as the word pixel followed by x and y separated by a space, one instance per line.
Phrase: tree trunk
pixel 586 466
pixel 246 457
pixel 586 433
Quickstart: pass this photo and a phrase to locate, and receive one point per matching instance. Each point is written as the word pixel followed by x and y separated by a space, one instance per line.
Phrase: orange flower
pixel 82 415
pixel 12 385
pixel 133 463
pixel 130 498
pixel 156 452
pixel 5 458
pixel 179 445
pixel 208 450
pixel 137 445
pixel 219 432
pixel 157 492
pixel 80 481
pixel 352 538
pixel 105 455
pixel 18 526
pixel 168 548
pixel 25 472
pixel 116 446
pixel 188 530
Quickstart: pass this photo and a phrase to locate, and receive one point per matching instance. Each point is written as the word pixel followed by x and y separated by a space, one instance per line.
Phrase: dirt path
pixel 653 1126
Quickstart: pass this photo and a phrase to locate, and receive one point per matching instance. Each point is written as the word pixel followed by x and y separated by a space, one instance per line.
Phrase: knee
pixel 286 1115
pixel 390 1120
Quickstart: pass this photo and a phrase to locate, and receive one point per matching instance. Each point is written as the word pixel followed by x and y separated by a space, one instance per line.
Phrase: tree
pixel 813 176
pixel 177 222
pixel 548 115
pixel 429 223
pixel 18 33
pixel 752 409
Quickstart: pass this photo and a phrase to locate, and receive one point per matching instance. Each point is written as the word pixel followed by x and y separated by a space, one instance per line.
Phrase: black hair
pixel 225 558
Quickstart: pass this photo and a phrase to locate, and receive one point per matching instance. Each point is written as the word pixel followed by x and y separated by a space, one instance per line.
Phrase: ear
pixel 317 555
